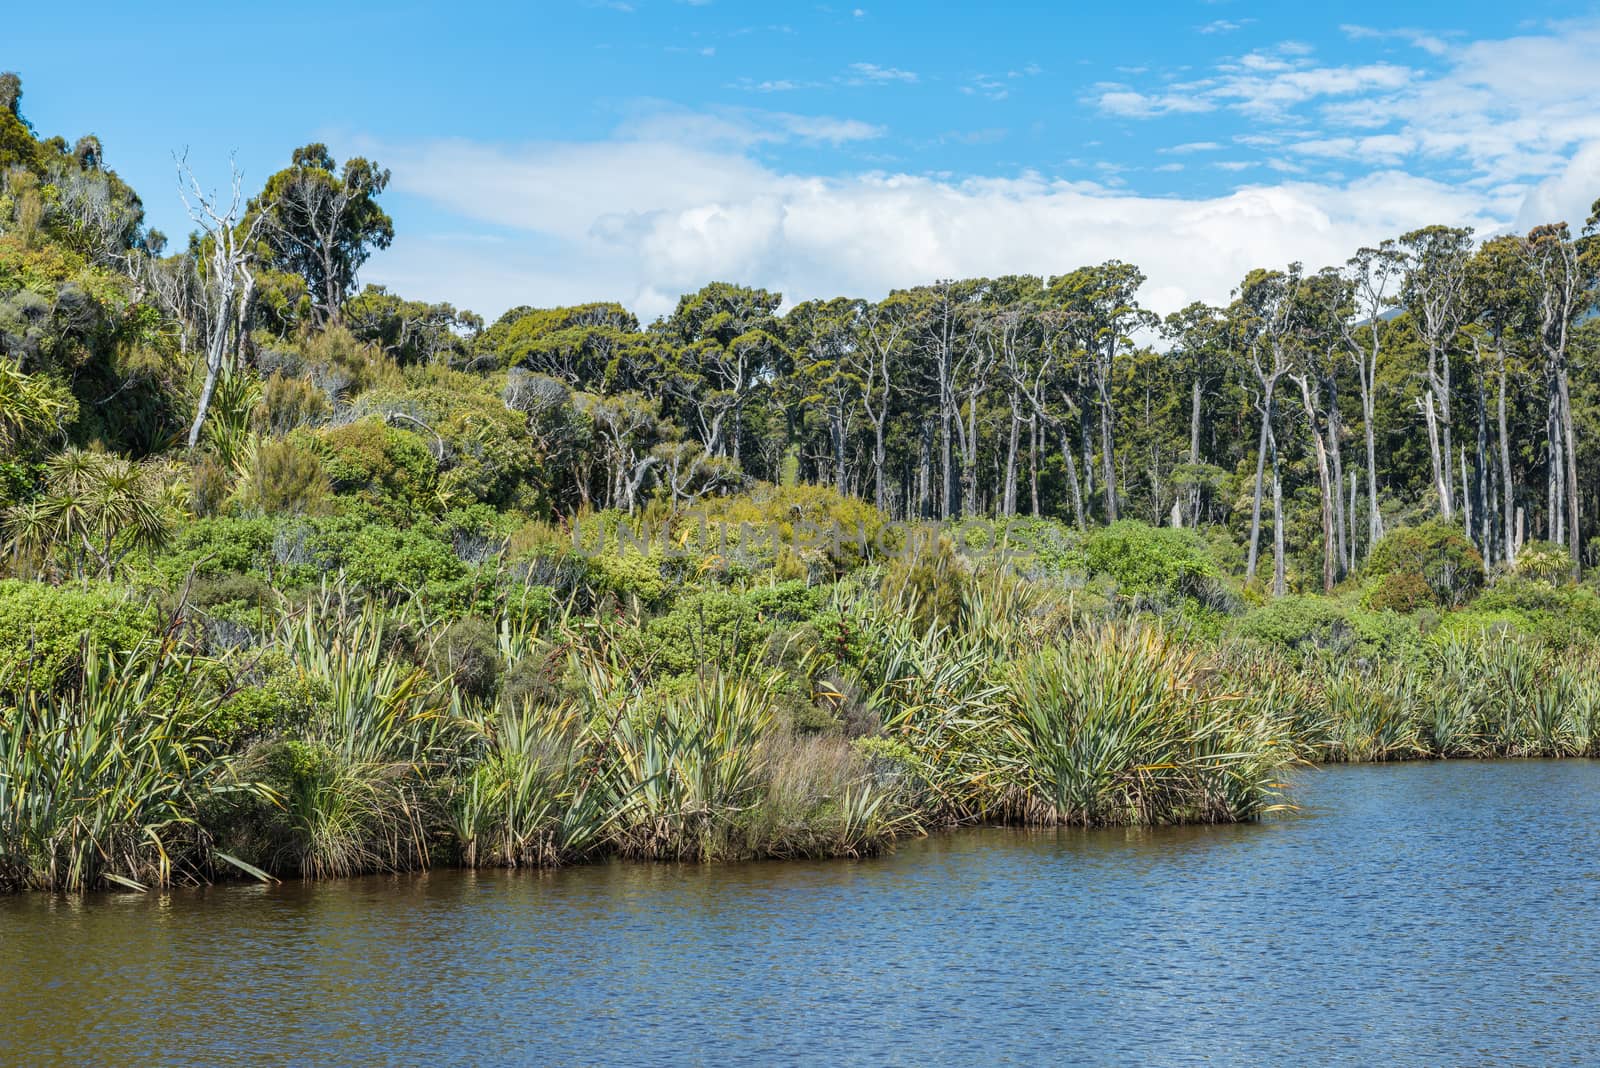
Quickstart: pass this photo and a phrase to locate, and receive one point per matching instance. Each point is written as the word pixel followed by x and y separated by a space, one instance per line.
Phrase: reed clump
pixel 332 737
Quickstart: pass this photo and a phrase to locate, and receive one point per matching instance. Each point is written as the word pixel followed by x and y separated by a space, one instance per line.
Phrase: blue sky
pixel 563 151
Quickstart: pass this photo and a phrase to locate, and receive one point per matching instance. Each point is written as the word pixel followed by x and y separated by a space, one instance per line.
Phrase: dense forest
pixel 292 574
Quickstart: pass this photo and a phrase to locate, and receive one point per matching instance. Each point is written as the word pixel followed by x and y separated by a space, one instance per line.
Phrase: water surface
pixel 1416 914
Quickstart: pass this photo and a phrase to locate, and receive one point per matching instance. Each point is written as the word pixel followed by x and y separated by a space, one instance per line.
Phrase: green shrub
pixel 929 582
pixel 1322 625
pixel 290 403
pixel 42 628
pixel 1036 545
pixel 632 576
pixel 1401 592
pixel 468 651
pixel 217 545
pixel 1557 615
pixel 786 602
pixel 1159 562
pixel 709 626
pixel 385 466
pixel 385 559
pixel 272 697
pixel 1435 551
pixel 287 477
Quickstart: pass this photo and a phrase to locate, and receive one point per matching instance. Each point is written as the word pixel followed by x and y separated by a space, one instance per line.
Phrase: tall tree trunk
pixel 1374 515
pixel 925 472
pixel 1072 477
pixel 1008 502
pixel 1194 421
pixel 1261 465
pixel 1431 419
pixel 879 456
pixel 1352 561
pixel 1507 493
pixel 1326 491
pixel 1086 444
pixel 1033 462
pixel 1108 453
pixel 1573 504
pixel 836 431
pixel 1480 465
pixel 1336 477
pixel 1279 564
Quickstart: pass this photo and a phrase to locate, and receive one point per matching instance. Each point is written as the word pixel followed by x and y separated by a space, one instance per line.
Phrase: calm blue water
pixel 1422 914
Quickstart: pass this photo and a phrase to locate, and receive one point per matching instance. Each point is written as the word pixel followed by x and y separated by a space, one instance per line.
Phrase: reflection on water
pixel 1420 914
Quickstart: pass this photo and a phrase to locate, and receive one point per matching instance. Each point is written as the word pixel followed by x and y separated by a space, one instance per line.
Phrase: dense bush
pixel 1157 562
pixel 385 559
pixel 43 629
pixel 1402 592
pixel 468 653
pixel 1438 553
pixel 1322 625
pixel 389 468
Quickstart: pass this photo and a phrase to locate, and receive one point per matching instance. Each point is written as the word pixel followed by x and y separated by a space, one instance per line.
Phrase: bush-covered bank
pixel 692 708
pixel 302 578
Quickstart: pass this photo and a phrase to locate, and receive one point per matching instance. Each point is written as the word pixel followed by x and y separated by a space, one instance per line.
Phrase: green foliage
pixel 1120 729
pixel 287 478
pixel 32 408
pixel 323 222
pixel 1157 562
pixel 1544 561
pixel 96 510
pixel 467 653
pixel 271 697
pixel 410 331
pixel 928 583
pixel 1329 628
pixel 385 559
pixel 1401 591
pixel 384 466
pixel 104 781
pixel 633 577
pixel 288 403
pixel 1437 553
pixel 485 451
pixel 43 629
pixel 218 545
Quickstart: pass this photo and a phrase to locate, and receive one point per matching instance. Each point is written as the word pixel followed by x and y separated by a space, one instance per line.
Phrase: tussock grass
pixel 1000 705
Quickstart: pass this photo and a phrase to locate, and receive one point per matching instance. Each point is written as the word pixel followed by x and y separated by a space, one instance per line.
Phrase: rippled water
pixel 1419 914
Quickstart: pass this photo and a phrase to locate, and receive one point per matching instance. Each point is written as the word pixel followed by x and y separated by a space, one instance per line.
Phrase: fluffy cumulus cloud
pixel 1495 134
pixel 645 221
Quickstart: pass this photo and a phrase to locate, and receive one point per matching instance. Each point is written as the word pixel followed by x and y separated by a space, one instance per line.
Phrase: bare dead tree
pixel 228 282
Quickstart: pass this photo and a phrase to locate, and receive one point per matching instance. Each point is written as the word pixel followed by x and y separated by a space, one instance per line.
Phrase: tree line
pixel 1435 374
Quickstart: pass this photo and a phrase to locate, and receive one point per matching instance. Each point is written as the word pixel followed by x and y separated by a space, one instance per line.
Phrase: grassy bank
pixel 334 734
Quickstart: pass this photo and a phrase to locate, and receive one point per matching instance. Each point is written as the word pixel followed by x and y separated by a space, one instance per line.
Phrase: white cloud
pixel 741 127
pixel 865 73
pixel 1262 84
pixel 1508 112
pixel 1431 43
pixel 1275 89
pixel 676 198
pixel 773 85
pixel 643 222
pixel 1566 197
pixel 1115 99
